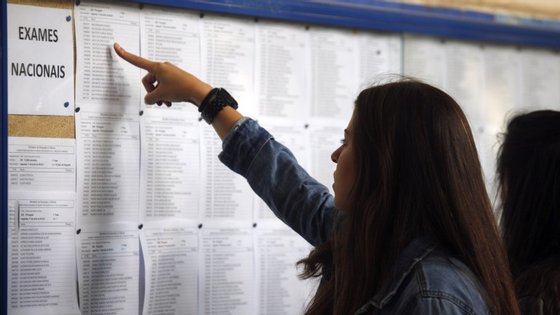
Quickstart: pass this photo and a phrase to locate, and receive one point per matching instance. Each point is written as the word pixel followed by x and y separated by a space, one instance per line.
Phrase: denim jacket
pixel 426 280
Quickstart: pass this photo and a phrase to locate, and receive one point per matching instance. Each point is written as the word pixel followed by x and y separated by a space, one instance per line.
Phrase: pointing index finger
pixel 134 59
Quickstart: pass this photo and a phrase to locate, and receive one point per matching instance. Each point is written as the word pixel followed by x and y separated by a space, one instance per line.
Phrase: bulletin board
pixel 492 64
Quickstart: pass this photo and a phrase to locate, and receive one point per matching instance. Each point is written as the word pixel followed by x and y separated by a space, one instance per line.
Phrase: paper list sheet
pixel 108 271
pixel 41 253
pixel 109 172
pixel 105 82
pixel 171 273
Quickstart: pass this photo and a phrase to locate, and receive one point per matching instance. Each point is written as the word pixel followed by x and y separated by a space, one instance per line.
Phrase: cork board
pixel 544 9
pixel 64 4
pixel 42 126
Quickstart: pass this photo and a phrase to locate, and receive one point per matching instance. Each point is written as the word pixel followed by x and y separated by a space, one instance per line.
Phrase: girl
pixel 529 180
pixel 410 229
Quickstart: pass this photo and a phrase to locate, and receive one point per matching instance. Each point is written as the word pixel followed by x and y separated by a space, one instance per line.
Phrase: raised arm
pixel 271 170
pixel 166 83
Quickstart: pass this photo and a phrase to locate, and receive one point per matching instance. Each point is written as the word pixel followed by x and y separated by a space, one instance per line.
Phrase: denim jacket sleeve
pixel 273 173
pixel 440 306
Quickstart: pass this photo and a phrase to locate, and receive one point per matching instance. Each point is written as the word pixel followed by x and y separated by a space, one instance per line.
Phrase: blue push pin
pixel 68 18
pixel 66 104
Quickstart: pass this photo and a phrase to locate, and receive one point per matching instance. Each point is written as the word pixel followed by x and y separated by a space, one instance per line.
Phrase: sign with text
pixel 40 61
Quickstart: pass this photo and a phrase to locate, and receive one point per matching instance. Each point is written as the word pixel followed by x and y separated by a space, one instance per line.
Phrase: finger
pixel 148 81
pixel 134 59
pixel 153 97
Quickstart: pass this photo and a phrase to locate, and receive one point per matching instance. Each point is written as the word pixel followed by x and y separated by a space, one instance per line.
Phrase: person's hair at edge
pixel 529 184
pixel 418 176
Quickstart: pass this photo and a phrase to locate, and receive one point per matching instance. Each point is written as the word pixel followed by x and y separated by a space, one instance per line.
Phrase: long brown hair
pixel 418 174
pixel 529 181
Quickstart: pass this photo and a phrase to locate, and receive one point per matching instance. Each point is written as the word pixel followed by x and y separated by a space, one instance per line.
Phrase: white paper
pixel 170 35
pixel 334 55
pixel 380 58
pixel 226 271
pixel 41 60
pixel 228 57
pixel 486 138
pixel 41 253
pixel 226 197
pixel 108 270
pixel 540 79
pixel 424 59
pixel 280 70
pixel 105 82
pixel 173 36
pixel 171 273
pixel 502 82
pixel 42 164
pixel 279 291
pixel 324 139
pixel 464 77
pixel 170 166
pixel 108 168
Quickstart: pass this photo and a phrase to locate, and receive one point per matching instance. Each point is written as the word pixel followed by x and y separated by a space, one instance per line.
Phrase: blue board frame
pixel 359 14
pixel 388 16
pixel 4 163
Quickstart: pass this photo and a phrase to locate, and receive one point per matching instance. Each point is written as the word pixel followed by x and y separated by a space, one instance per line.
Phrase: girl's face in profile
pixel 344 174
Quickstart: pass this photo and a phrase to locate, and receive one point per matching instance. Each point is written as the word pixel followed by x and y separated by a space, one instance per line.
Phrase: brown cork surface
pixel 41 126
pixel 64 4
pixel 539 9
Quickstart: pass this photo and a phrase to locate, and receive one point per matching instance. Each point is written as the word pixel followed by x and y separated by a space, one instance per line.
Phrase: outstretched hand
pixel 166 83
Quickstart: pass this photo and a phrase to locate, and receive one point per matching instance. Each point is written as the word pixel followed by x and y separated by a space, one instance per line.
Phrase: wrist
pixel 214 102
pixel 201 94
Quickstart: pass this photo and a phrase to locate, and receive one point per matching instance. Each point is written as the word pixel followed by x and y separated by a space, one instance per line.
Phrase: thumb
pixel 153 97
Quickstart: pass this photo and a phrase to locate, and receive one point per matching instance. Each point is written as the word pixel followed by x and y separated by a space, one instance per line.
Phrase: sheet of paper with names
pixel 108 179
pixel 333 68
pixel 502 81
pixel 540 79
pixel 379 58
pixel 228 57
pixel 172 36
pixel 324 138
pixel 424 59
pixel 225 197
pixel 41 253
pixel 41 164
pixel 171 258
pixel 108 269
pixel 41 205
pixel 105 82
pixel 281 57
pixel 226 271
pixel 170 167
pixel 279 290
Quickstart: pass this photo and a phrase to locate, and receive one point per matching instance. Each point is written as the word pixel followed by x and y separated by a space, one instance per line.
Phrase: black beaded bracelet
pixel 214 102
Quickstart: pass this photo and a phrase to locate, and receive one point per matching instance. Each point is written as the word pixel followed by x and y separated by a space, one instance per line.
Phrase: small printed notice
pixel 42 164
pixel 41 60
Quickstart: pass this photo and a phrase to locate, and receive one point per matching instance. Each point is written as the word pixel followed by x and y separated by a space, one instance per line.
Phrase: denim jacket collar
pixel 413 253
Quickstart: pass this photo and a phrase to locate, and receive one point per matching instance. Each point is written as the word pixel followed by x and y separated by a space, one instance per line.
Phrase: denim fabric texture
pixel 273 173
pixel 425 280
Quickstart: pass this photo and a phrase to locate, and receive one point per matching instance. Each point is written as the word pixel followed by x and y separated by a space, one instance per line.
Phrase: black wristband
pixel 214 102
